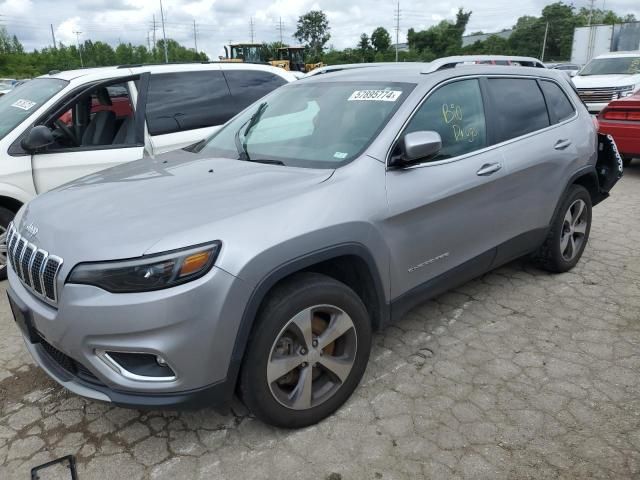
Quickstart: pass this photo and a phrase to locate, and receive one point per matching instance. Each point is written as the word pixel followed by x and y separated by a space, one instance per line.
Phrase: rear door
pixel 539 148
pixel 449 211
pixel 71 159
pixel 186 107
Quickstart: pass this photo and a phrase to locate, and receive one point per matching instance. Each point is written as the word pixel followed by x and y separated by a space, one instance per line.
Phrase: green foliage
pixel 15 62
pixel 440 40
pixel 313 32
pixel 380 39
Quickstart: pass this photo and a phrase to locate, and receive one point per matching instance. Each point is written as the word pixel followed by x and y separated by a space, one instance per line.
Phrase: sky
pixel 219 22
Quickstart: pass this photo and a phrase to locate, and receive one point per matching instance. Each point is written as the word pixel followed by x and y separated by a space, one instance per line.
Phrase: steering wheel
pixel 67 132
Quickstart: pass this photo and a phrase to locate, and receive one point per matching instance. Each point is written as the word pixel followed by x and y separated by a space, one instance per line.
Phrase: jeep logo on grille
pixel 31 229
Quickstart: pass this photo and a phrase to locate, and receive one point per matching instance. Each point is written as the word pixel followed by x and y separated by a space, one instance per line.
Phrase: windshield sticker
pixel 23 104
pixel 375 96
pixel 340 155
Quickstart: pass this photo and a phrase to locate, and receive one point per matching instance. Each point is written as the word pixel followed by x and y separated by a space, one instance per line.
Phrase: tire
pixel 626 161
pixel 559 253
pixel 6 216
pixel 325 303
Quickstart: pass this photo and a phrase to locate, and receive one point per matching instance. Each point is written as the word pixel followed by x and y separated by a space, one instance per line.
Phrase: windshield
pixel 18 104
pixel 612 66
pixel 314 125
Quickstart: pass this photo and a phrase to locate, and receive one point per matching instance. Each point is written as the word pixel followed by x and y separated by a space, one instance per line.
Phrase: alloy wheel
pixel 574 229
pixel 3 248
pixel 312 357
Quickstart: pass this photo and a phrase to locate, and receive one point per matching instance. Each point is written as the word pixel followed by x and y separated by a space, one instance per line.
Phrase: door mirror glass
pixel 38 138
pixel 417 146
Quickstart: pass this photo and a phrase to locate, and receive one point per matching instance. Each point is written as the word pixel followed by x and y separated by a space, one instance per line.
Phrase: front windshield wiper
pixel 244 130
pixel 266 160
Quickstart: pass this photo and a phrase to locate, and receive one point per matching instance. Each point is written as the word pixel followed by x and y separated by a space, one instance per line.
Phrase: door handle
pixel 488 169
pixel 562 144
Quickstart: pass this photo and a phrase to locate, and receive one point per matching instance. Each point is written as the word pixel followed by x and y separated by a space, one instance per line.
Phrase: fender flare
pixel 587 171
pixel 282 271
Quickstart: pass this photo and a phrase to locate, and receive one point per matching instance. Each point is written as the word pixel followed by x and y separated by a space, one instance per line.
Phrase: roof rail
pixel 454 61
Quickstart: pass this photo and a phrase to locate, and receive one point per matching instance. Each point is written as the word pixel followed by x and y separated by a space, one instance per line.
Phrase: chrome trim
pixel 16 258
pixel 120 370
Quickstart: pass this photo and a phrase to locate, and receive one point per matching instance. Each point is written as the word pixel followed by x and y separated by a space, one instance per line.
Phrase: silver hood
pixel 176 198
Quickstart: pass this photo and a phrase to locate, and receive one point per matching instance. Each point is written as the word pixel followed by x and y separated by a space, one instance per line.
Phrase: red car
pixel 621 120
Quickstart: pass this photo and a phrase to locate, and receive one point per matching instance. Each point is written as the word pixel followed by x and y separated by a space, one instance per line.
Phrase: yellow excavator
pixel 289 58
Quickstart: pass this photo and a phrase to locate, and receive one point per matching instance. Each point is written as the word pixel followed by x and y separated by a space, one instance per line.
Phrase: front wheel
pixel 569 233
pixel 308 352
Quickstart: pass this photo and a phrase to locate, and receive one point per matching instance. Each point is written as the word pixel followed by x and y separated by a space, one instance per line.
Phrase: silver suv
pixel 261 261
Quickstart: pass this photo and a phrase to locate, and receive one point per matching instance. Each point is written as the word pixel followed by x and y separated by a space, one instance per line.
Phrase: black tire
pixel 550 256
pixel 295 295
pixel 626 161
pixel 6 216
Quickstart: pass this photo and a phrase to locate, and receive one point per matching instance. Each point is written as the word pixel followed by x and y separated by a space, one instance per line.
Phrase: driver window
pixel 456 112
pixel 103 116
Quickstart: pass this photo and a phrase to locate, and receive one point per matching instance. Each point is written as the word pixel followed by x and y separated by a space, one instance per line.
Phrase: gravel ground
pixel 519 374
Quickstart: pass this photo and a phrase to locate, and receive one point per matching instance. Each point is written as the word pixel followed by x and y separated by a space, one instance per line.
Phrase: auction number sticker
pixel 23 104
pixel 375 95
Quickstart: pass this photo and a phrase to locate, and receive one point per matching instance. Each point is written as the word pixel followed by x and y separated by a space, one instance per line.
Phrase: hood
pixel 124 211
pixel 601 81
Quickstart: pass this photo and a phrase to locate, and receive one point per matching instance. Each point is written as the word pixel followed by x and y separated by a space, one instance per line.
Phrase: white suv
pixel 61 126
pixel 608 77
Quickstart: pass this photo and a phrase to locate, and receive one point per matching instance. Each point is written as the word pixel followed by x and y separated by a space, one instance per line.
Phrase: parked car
pixel 6 85
pixel 65 125
pixel 608 77
pixel 262 261
pixel 621 120
pixel 571 69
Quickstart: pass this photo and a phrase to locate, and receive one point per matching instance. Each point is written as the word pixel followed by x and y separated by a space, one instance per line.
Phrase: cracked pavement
pixel 518 374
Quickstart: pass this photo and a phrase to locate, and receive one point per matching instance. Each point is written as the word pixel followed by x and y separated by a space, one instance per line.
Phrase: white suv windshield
pixel 18 104
pixel 315 125
pixel 612 66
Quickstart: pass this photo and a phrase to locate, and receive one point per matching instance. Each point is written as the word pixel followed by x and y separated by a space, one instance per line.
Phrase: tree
pixel 440 40
pixel 313 31
pixel 366 51
pixel 380 39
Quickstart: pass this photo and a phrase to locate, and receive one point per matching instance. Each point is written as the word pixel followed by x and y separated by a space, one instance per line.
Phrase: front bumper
pixel 192 326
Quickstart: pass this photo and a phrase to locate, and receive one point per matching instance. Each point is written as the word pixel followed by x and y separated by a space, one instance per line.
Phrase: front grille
pixel 67 363
pixel 600 95
pixel 37 270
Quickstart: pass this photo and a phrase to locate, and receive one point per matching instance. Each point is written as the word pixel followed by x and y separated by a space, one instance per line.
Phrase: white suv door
pixel 185 107
pixel 95 129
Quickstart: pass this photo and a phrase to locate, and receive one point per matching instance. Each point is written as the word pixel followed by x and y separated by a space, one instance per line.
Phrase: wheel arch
pixel 350 263
pixel 10 203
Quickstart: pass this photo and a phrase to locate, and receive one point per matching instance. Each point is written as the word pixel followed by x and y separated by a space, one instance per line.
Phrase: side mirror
pixel 39 137
pixel 416 146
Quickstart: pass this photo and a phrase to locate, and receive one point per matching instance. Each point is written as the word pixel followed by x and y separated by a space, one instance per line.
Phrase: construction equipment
pixel 245 52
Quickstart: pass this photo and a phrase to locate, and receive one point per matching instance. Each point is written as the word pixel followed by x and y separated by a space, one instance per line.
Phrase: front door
pixel 448 210
pixel 96 129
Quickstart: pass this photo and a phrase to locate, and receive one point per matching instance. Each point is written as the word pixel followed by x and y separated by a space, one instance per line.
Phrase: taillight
pixel 626 115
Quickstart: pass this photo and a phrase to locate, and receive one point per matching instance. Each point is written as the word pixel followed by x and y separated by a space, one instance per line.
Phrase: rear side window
pixel 560 108
pixel 247 86
pixel 518 107
pixel 456 112
pixel 188 100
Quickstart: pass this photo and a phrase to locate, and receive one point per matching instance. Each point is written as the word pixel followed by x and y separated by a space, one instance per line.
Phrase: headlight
pixel 153 272
pixel 626 91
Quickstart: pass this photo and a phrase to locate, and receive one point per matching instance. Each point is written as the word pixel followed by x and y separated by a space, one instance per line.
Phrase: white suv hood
pixel 601 81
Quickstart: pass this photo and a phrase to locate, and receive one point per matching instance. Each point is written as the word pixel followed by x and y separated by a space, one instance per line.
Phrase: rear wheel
pixel 6 216
pixel 308 352
pixel 569 233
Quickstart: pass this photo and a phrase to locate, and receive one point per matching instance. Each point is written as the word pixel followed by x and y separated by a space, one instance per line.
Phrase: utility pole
pixel 148 41
pixel 53 37
pixel 251 27
pixel 397 15
pixel 164 36
pixel 195 35
pixel 281 30
pixel 544 42
pixel 154 31
pixel 591 5
pixel 79 49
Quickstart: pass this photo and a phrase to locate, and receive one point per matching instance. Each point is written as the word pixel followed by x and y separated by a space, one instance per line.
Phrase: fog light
pixel 161 361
